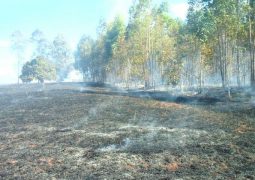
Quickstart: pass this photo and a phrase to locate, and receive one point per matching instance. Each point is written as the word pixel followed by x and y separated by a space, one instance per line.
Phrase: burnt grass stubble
pixel 86 131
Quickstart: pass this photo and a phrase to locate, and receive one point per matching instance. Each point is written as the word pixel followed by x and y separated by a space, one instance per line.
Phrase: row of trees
pixel 50 60
pixel 223 32
pixel 146 51
pixel 214 46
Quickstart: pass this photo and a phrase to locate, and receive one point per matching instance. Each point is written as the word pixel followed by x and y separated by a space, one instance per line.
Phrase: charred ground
pixel 88 131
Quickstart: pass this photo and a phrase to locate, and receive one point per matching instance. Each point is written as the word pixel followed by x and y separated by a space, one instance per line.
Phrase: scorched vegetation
pixel 79 131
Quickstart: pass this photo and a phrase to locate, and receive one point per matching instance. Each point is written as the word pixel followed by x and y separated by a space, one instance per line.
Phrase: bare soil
pixel 86 131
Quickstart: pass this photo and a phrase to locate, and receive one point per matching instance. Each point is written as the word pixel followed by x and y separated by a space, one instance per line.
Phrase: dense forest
pixel 213 46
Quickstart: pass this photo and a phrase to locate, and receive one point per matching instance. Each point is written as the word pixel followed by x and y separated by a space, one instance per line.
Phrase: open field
pixel 69 131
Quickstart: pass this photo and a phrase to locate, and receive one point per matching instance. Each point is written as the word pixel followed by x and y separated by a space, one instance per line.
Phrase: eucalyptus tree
pixel 200 40
pixel 217 23
pixel 118 67
pixel 42 46
pixel 83 59
pixel 251 17
pixel 154 48
pixel 89 59
pixel 146 50
pixel 139 39
pixel 61 56
pixel 18 45
pixel 165 54
pixel 113 40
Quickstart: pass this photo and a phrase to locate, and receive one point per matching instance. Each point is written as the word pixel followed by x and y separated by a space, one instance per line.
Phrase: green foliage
pixel 92 58
pixel 155 48
pixel 57 51
pixel 38 69
pixel 62 56
pixel 27 73
pixel 140 50
pixel 42 46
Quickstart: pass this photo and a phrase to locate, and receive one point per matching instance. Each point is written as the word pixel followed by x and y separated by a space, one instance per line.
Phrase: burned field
pixel 77 132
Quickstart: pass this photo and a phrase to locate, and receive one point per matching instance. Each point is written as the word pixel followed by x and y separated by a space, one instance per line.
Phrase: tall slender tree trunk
pixel 251 43
pixel 200 78
pixel 18 73
pixel 237 46
pixel 200 72
pixel 221 59
pixel 238 67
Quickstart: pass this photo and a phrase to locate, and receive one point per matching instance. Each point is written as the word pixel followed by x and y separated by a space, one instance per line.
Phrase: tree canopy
pixel 213 46
pixel 38 69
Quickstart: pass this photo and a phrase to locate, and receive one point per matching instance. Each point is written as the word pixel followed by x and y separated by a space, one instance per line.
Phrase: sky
pixel 70 18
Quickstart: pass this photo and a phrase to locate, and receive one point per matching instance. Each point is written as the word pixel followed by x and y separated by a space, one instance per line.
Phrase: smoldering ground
pixel 93 131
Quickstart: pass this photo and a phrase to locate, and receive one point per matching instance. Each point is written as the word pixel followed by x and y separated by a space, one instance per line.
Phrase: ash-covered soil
pixel 73 131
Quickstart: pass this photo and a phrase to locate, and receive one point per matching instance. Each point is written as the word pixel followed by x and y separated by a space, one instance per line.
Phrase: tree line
pixel 145 51
pixel 214 46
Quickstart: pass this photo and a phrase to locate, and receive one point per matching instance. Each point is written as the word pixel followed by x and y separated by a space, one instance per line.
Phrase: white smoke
pixel 74 76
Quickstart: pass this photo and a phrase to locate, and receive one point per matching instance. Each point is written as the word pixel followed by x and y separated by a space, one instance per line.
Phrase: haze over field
pixel 127 89
pixel 72 19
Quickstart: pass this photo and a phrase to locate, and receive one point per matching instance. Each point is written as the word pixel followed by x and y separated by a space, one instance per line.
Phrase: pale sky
pixel 71 18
